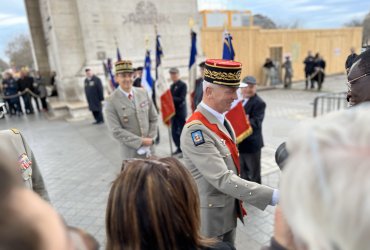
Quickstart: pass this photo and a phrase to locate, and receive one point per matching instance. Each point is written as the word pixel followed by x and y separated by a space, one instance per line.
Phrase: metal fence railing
pixel 326 103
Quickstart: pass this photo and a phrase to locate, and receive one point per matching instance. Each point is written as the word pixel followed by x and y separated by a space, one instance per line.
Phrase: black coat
pixel 350 59
pixel 25 83
pixel 178 91
pixel 255 109
pixel 309 63
pixel 94 93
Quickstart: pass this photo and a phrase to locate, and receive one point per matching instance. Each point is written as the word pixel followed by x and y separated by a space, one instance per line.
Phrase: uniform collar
pixel 126 93
pixel 220 117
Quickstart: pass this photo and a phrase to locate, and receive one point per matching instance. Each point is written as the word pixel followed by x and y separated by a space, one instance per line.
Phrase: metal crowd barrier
pixel 326 103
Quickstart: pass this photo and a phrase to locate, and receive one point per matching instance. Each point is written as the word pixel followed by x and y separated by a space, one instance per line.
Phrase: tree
pixel 3 65
pixel 19 51
pixel 365 24
pixel 264 22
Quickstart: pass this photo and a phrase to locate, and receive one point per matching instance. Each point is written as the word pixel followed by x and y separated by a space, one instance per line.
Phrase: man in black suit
pixel 250 148
pixel 309 67
pixel 350 59
pixel 178 91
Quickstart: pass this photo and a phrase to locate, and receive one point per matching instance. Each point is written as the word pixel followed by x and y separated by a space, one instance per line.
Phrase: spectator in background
pixel 174 214
pixel 25 83
pixel 350 59
pixel 319 71
pixel 139 74
pixel 309 67
pixel 198 88
pixel 288 72
pixel 53 83
pixel 41 88
pixel 11 88
pixel 250 147
pixel 178 91
pixel 94 95
pixel 268 69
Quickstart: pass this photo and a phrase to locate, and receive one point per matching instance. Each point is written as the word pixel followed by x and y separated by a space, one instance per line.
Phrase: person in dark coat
pixel 94 95
pixel 139 75
pixel 11 88
pixel 309 68
pixel 26 82
pixel 178 91
pixel 198 88
pixel 319 71
pixel 350 59
pixel 250 148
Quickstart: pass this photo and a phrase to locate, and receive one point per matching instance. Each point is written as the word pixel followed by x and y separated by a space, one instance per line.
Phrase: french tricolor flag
pixel 146 79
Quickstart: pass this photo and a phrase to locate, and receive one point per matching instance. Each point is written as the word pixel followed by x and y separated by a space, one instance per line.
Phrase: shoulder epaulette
pixel 188 125
pixel 15 131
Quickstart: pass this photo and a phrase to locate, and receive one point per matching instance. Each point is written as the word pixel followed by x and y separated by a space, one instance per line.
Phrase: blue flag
pixel 193 49
pixel 146 79
pixel 228 51
pixel 118 55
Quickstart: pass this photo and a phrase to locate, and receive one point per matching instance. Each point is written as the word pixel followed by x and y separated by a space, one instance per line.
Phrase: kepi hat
pixel 223 72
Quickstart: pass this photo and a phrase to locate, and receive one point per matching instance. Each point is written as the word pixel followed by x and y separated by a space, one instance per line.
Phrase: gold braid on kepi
pixel 223 72
pixel 124 66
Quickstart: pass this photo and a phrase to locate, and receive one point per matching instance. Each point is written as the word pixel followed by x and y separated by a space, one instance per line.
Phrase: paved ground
pixel 79 160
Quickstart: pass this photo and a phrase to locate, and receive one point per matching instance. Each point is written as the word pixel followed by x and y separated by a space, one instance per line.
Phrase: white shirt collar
pixel 219 116
pixel 125 93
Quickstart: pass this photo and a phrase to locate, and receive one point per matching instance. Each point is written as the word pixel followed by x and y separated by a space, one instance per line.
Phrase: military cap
pixel 139 68
pixel 202 64
pixel 248 80
pixel 223 72
pixel 124 66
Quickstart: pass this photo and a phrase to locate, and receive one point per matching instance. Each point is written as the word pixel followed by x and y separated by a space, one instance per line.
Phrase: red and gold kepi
pixel 223 72
pixel 124 66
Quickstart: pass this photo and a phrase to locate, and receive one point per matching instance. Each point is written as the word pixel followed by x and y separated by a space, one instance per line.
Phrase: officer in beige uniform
pixel 210 153
pixel 13 144
pixel 130 115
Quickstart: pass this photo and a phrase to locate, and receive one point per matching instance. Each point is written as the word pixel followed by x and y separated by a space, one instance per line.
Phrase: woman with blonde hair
pixel 154 204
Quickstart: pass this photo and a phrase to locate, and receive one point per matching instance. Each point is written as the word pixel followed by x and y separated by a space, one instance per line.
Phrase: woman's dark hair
pixel 154 204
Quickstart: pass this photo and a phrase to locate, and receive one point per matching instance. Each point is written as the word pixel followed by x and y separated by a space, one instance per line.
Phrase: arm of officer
pixel 153 120
pixel 114 125
pixel 211 164
pixel 38 184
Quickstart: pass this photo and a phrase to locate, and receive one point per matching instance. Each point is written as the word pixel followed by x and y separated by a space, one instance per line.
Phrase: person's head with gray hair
pixel 325 184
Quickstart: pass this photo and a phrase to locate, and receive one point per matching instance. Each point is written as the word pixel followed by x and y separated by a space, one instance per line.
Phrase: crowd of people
pixel 26 87
pixel 322 198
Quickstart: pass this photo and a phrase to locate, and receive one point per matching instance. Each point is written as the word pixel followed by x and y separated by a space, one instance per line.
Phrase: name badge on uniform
pixel 92 83
pixel 197 137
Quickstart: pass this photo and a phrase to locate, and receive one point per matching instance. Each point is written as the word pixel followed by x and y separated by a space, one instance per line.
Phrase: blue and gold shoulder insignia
pixel 197 137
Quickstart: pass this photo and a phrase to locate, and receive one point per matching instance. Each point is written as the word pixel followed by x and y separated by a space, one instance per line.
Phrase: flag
pixel 192 66
pixel 118 55
pixel 146 79
pixel 239 121
pixel 228 50
pixel 112 83
pixel 167 106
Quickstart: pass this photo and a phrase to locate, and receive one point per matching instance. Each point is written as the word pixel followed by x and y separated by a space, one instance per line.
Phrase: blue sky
pixel 309 13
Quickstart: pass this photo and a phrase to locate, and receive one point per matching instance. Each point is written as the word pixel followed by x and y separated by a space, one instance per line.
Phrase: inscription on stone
pixel 145 13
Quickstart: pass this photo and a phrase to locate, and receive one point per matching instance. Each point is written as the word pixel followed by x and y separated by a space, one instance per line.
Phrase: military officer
pixel 130 115
pixel 13 145
pixel 210 153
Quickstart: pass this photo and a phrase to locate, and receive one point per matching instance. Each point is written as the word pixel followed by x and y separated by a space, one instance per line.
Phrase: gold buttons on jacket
pixel 210 205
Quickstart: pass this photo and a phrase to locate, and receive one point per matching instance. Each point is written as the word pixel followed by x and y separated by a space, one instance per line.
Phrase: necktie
pixel 130 97
pixel 227 127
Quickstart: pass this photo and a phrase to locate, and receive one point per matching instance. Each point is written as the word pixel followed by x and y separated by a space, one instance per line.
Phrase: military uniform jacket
pixel 130 121
pixel 211 164
pixel 14 145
